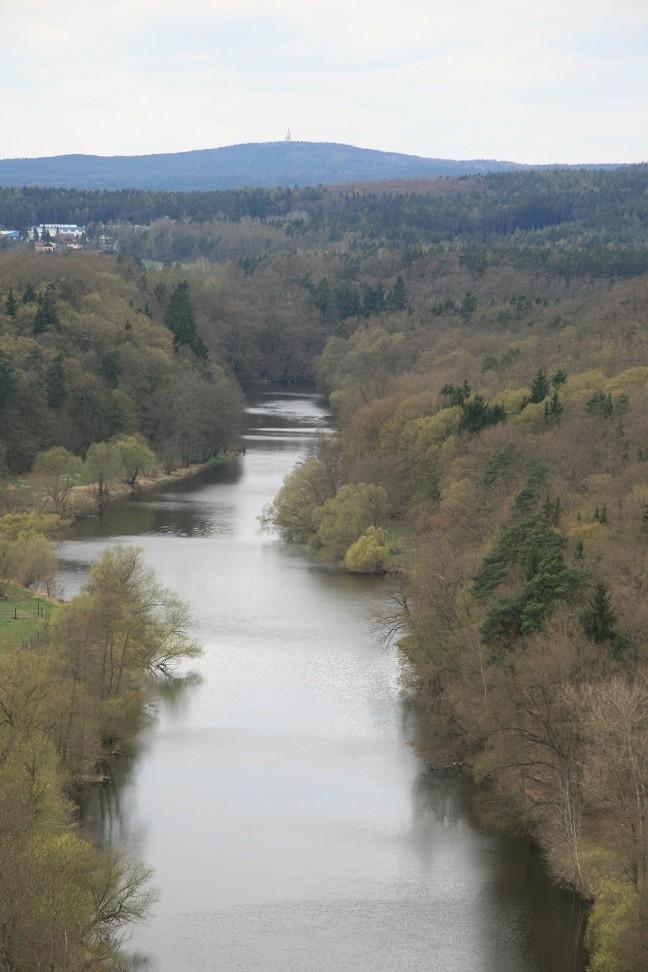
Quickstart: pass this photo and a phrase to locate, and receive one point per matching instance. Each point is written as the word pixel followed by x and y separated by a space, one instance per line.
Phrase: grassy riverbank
pixel 24 616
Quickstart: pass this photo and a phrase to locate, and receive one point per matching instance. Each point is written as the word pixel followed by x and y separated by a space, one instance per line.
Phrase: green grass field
pixel 22 615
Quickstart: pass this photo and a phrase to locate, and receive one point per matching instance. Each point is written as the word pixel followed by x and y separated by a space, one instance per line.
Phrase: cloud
pixel 463 78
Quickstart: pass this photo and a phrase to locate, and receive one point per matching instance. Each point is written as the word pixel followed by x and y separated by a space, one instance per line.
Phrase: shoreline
pixel 120 490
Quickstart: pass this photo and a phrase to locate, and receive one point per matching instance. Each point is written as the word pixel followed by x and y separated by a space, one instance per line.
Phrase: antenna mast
pixel 288 137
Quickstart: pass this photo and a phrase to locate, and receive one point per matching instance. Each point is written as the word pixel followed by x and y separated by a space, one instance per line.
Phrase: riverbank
pixel 24 615
pixel 295 730
pixel 85 502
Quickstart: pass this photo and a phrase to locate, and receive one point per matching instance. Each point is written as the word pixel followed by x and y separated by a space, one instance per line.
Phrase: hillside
pixel 484 345
pixel 236 166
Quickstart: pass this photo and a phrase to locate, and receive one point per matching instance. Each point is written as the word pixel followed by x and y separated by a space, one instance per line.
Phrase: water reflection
pixel 277 795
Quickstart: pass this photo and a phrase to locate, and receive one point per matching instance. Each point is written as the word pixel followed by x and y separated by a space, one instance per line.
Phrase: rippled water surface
pixel 277 796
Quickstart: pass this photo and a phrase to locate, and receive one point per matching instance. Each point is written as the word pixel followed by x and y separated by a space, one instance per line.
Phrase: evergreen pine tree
pixel 397 299
pixel 181 320
pixel 558 378
pixel 468 305
pixel 46 316
pixel 554 409
pixel 29 294
pixel 539 387
pixel 8 383
pixel 55 381
pixel 599 619
pixel 11 304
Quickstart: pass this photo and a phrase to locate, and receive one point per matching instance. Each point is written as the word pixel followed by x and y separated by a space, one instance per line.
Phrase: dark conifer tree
pixel 55 380
pixel 599 619
pixel 11 304
pixel 46 315
pixel 539 387
pixel 181 320
pixel 29 294
pixel 397 299
pixel 559 378
pixel 7 380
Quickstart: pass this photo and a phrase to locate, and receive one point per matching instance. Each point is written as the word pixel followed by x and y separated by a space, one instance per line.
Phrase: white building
pixel 56 229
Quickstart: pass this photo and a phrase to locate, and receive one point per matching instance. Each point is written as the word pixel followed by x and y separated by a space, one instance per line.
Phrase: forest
pixel 95 396
pixel 484 345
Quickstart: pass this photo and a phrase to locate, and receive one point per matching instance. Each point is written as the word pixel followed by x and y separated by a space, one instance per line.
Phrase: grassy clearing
pixel 22 615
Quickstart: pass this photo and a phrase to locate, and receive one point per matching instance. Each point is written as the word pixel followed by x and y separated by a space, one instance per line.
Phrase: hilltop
pixel 237 166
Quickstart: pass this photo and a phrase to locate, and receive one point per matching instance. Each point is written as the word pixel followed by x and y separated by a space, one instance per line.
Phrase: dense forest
pixel 94 395
pixel 484 343
pixel 588 206
pixel 82 361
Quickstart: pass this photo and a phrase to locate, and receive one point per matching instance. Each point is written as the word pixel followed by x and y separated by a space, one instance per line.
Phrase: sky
pixel 548 81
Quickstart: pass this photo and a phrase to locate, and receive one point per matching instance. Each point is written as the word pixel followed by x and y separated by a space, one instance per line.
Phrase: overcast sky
pixel 552 80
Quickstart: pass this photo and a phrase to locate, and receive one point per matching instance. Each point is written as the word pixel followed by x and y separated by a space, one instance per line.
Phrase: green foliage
pixel 456 395
pixel 343 518
pixel 56 471
pixel 136 457
pixel 8 384
pixel 46 314
pixel 538 550
pixel 528 496
pixel 69 904
pixel 539 387
pixel 304 491
pixel 600 621
pixel 27 554
pixel 558 378
pixel 29 294
pixel 111 368
pixel 600 405
pixel 500 463
pixel 11 304
pixel 553 409
pixel 397 297
pixel 24 615
pixel 367 554
pixel 180 318
pixel 55 382
pixel 616 929
pixel 468 305
pixel 103 462
pixel 81 363
pixel 477 414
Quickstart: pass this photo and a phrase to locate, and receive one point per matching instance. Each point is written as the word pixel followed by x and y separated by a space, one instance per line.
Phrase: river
pixel 276 793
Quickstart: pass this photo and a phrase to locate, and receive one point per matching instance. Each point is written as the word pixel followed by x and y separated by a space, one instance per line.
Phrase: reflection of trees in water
pixel 547 923
pixel 175 692
pixel 440 795
pixel 164 509
pixel 138 963
pixel 105 813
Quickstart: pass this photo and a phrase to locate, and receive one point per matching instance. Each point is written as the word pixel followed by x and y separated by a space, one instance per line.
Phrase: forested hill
pixel 235 166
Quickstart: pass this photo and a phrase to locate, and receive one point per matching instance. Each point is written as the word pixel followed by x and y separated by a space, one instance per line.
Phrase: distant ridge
pixel 237 166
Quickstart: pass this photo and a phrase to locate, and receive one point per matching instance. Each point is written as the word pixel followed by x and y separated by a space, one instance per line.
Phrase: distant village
pixel 49 238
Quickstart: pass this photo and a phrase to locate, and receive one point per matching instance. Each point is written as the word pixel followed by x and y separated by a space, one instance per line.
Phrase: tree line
pixel 67 697
pixel 512 448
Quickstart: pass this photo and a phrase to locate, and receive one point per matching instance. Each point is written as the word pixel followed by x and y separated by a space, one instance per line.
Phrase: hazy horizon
pixel 563 83
pixel 293 139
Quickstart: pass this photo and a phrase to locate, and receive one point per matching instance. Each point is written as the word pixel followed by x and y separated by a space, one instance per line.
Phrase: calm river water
pixel 276 794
